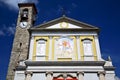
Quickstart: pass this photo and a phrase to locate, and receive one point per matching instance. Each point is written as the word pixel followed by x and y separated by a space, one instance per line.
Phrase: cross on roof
pixel 63 11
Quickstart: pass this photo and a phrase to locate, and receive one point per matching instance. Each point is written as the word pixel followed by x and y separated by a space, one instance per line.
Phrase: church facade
pixel 61 49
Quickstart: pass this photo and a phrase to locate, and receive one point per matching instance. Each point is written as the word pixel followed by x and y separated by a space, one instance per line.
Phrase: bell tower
pixel 26 19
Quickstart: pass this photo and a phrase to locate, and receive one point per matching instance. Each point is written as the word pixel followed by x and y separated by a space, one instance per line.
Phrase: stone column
pixel 49 75
pixel 101 75
pixel 80 75
pixel 28 75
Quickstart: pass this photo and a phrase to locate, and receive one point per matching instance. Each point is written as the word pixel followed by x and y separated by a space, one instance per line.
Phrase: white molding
pixel 19 72
pixel 62 33
pixel 19 75
pixel 66 68
pixel 110 72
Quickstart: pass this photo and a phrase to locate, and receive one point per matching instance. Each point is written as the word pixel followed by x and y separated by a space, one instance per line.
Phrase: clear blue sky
pixel 104 14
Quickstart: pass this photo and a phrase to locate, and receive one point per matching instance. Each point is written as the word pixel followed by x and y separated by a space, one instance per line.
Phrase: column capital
pixel 32 37
pixel 95 35
pixel 77 37
pixel 101 72
pixel 80 72
pixel 51 73
pixel 28 72
pixel 50 37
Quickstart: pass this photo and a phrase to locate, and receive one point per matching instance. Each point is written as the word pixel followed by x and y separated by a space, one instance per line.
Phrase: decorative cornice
pixel 64 63
pixel 28 5
pixel 73 29
pixel 20 68
pixel 109 68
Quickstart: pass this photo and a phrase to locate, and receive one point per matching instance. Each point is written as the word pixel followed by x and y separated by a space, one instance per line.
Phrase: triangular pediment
pixel 64 23
pixel 60 25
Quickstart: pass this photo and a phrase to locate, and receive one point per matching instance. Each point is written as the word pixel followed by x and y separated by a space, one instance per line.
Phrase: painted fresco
pixel 64 47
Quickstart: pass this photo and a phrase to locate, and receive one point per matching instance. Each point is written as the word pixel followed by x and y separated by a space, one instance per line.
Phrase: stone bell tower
pixel 26 19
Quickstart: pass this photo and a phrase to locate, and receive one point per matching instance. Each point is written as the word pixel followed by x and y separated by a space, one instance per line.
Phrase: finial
pixel 109 58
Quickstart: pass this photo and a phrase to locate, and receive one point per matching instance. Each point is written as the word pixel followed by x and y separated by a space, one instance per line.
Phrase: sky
pixel 104 14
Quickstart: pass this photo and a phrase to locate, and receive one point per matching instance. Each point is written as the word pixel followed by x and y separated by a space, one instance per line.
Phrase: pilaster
pixel 97 47
pixel 78 47
pixel 31 47
pixel 50 47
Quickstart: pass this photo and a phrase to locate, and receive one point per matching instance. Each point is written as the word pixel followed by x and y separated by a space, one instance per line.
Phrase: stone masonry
pixel 21 40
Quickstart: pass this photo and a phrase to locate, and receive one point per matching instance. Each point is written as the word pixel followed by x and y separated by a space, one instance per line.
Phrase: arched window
pixel 68 78
pixel 24 14
pixel 65 77
pixel 87 47
pixel 41 49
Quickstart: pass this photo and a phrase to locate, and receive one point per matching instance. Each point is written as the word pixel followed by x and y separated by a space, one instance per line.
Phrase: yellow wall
pixel 75 47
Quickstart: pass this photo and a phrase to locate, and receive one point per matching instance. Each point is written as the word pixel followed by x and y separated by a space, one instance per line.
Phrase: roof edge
pixel 28 5
pixel 64 18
